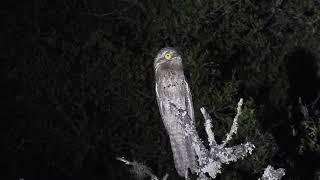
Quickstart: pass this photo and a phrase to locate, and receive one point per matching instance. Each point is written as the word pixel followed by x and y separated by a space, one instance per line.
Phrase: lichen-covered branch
pixel 234 126
pixel 211 160
pixel 140 170
pixel 208 127
pixel 272 174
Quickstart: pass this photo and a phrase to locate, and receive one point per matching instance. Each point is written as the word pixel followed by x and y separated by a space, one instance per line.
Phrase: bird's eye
pixel 168 56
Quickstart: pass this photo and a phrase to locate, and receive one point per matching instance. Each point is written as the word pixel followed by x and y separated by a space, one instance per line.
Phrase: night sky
pixel 77 84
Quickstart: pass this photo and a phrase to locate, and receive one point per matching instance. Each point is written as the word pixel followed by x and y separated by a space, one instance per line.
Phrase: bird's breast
pixel 172 82
pixel 174 91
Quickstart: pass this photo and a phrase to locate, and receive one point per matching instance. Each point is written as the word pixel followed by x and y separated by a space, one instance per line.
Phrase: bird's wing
pixel 189 103
pixel 159 101
pixel 192 160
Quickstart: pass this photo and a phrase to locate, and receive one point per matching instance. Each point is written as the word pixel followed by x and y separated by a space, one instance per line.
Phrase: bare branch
pixel 234 126
pixel 208 127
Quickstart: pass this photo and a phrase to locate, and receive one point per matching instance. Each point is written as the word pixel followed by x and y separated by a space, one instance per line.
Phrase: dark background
pixel 77 84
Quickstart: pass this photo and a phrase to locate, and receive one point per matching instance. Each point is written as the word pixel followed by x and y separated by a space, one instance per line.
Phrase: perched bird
pixel 173 89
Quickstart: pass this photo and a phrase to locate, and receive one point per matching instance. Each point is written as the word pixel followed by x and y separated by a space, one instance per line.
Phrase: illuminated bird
pixel 172 89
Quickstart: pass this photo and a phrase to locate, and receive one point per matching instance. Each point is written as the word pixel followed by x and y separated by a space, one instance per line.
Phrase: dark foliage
pixel 77 86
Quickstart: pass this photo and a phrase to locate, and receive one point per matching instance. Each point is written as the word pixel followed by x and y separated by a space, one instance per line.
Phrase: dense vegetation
pixel 77 87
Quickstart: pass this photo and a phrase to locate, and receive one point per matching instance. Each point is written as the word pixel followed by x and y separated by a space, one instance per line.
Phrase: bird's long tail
pixel 183 152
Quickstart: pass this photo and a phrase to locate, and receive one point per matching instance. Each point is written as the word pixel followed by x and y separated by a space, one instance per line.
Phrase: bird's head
pixel 167 55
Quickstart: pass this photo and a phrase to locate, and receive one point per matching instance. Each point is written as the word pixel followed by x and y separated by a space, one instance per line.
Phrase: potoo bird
pixel 173 89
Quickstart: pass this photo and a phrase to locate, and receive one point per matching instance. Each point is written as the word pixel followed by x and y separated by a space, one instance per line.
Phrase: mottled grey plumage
pixel 171 87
